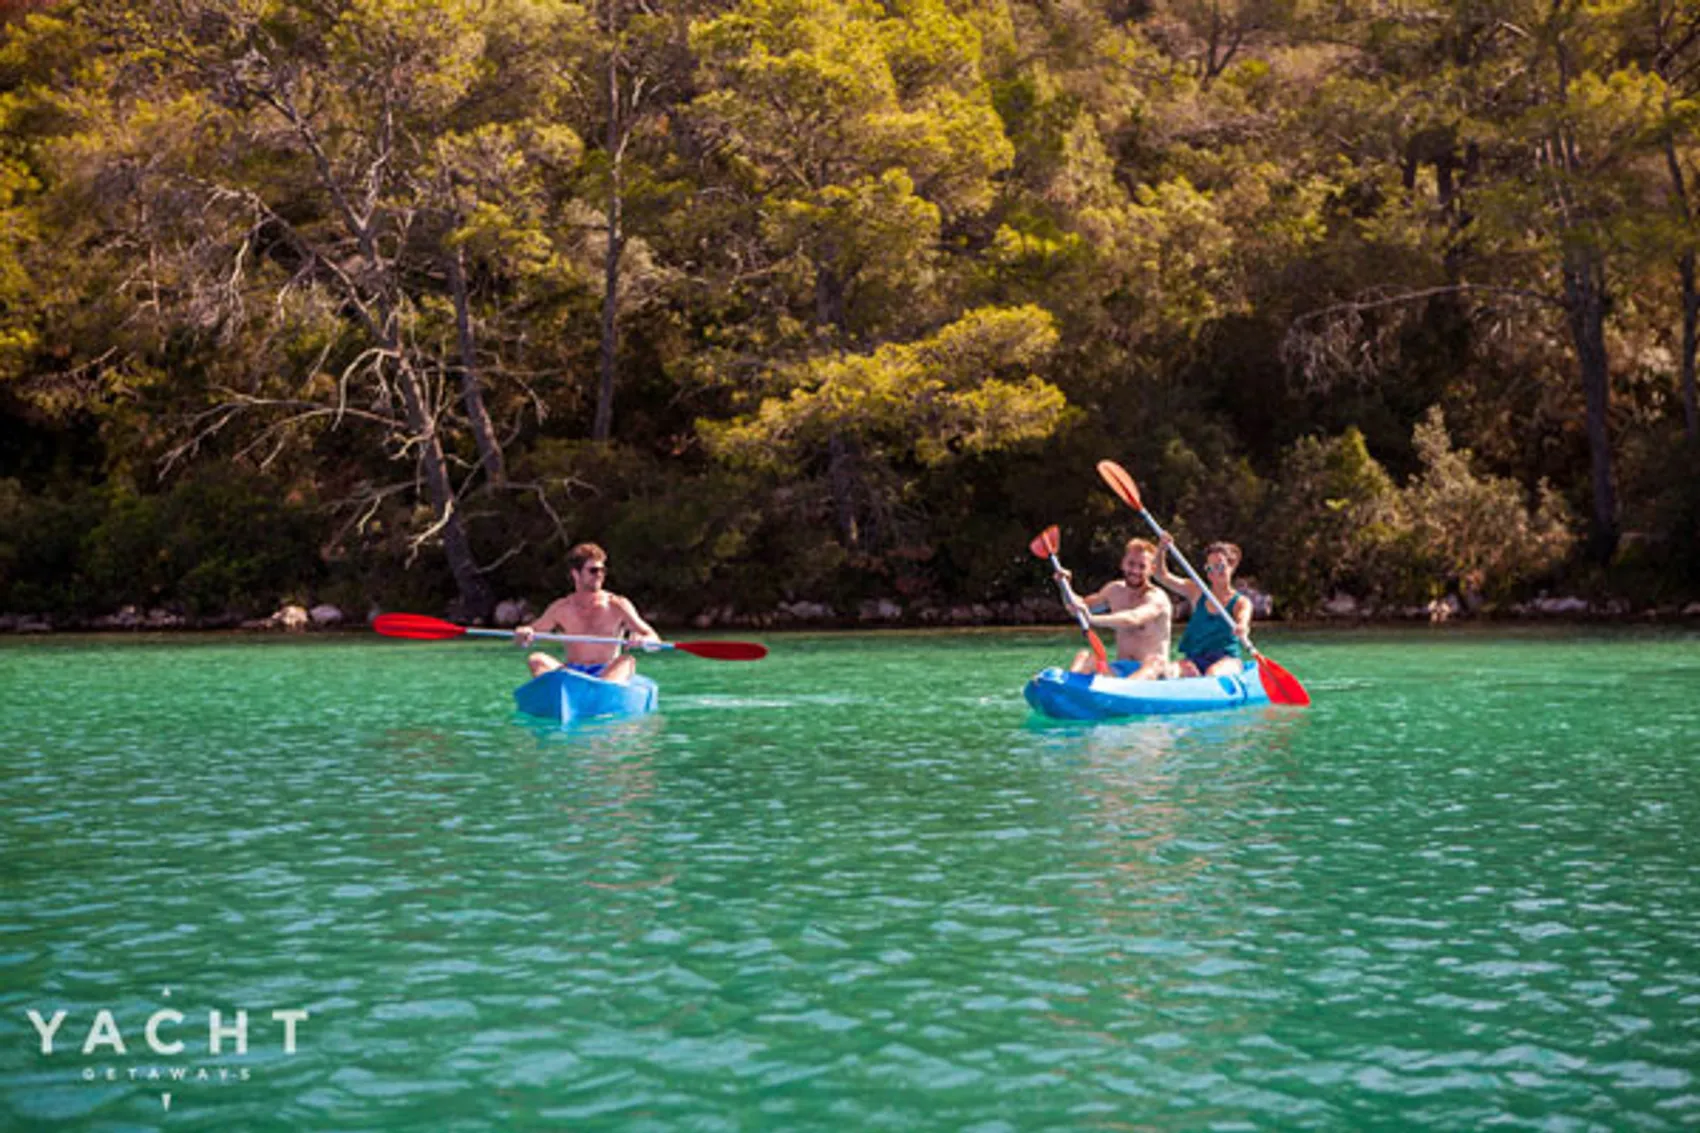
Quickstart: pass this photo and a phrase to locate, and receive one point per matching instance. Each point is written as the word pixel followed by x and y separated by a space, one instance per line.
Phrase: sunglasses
pixel 596 569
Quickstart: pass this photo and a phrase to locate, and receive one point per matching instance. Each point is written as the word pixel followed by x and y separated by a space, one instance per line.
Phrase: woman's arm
pixel 1242 617
pixel 1163 576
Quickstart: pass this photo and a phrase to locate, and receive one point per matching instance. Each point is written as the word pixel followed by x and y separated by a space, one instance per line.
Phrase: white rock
pixel 325 614
pixel 880 610
pixel 1559 606
pixel 291 618
pixel 512 612
pixel 1340 606
pixel 126 618
pixel 807 611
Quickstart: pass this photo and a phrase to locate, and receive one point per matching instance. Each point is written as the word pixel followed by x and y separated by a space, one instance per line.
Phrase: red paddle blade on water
pixel 1282 686
pixel 419 627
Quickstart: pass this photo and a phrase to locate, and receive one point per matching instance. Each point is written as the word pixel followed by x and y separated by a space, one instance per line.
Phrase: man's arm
pixel 634 621
pixel 551 621
pixel 1154 605
pixel 1099 597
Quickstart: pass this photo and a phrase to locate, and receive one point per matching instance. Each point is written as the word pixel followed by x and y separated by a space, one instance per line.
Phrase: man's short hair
pixel 584 553
pixel 1145 545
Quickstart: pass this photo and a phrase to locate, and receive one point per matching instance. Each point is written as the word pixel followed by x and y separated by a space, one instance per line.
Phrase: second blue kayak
pixel 564 695
pixel 1088 696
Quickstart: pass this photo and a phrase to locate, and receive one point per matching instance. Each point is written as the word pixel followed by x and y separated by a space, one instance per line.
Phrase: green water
pixel 854 886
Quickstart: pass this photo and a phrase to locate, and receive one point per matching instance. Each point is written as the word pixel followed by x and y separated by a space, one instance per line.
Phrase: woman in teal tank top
pixel 1210 645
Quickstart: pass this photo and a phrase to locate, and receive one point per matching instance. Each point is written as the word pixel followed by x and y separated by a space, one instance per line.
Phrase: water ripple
pixel 855 887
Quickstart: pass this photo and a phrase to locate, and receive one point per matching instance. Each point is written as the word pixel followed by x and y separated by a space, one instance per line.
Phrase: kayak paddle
pixel 419 627
pixel 1282 686
pixel 1045 546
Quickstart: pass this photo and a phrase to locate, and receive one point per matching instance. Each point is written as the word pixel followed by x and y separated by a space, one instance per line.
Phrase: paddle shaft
pixel 1069 598
pixel 473 631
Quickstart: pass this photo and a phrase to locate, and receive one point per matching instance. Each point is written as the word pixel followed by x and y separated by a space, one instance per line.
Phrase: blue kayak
pixel 1088 696
pixel 564 695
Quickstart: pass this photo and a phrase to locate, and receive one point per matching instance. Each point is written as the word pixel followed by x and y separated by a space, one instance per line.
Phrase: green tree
pixel 855 138
pixel 925 402
pixel 1539 128
pixel 308 182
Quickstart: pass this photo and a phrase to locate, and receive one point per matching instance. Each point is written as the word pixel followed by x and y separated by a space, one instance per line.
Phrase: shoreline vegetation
pixel 1341 611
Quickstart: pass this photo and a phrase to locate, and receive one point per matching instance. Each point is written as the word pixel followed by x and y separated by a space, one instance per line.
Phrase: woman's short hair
pixel 1231 550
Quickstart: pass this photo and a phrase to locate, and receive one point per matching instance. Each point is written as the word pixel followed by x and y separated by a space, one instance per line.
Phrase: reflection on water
pixel 856 887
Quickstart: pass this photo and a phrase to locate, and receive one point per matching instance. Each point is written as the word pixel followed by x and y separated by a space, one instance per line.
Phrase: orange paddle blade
pixel 1100 659
pixel 1046 543
pixel 1120 483
pixel 417 626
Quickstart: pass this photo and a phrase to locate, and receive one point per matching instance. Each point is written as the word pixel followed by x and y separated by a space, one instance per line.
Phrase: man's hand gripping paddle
pixel 1045 546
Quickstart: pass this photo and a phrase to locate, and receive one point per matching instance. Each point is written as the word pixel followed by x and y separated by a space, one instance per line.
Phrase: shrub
pixel 1478 534
pixel 1333 516
pixel 1337 522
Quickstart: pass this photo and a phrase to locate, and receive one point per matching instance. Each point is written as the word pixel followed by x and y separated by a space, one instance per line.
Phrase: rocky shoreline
pixel 1341 610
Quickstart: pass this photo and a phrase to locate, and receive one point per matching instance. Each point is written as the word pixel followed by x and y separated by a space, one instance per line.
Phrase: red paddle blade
pixel 1120 483
pixel 1282 686
pixel 723 650
pixel 1046 543
pixel 417 626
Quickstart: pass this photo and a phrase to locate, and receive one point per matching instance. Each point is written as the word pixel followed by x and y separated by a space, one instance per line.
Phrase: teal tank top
pixel 1208 632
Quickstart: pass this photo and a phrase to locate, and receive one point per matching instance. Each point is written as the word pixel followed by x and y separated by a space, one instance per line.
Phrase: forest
pixel 804 304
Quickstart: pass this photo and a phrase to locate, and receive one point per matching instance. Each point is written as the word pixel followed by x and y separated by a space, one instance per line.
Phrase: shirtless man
pixel 589 611
pixel 1138 611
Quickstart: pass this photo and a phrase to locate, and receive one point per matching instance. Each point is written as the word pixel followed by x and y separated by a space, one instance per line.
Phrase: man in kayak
pixel 589 611
pixel 1210 646
pixel 1139 613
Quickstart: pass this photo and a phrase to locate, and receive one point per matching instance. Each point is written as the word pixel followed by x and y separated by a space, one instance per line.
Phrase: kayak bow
pixel 565 695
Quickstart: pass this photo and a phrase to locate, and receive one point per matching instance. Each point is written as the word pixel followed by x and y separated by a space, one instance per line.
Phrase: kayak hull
pixel 565 695
pixel 1088 696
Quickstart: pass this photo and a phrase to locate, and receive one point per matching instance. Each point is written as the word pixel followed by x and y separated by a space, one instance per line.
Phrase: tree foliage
pixel 1402 297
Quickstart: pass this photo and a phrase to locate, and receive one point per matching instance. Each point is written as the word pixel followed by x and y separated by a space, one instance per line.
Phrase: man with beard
pixel 1138 611
pixel 589 611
